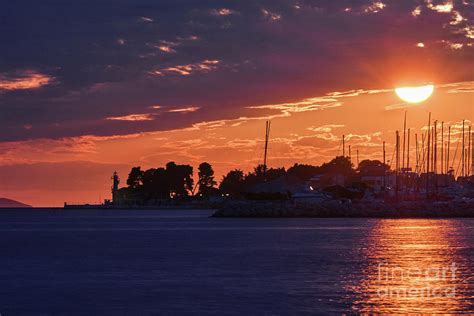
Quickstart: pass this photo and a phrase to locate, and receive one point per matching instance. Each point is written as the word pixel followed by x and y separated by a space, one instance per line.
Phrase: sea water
pixel 184 262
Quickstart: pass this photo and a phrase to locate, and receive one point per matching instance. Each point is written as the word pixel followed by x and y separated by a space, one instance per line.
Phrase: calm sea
pixel 183 262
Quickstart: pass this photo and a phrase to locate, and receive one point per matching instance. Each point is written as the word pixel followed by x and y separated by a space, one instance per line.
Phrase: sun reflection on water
pixel 414 266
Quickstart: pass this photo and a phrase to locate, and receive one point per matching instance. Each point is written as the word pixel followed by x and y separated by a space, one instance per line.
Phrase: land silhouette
pixel 333 189
pixel 8 203
pixel 176 181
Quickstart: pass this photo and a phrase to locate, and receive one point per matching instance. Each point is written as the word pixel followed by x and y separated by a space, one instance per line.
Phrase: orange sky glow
pixel 189 81
pixel 303 131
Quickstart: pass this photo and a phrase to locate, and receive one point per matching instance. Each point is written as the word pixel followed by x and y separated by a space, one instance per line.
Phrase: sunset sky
pixel 90 87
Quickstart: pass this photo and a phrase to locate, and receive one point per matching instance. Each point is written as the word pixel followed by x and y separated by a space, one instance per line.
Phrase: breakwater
pixel 345 209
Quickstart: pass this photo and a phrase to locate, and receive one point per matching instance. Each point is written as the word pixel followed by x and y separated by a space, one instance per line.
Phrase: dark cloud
pixel 119 58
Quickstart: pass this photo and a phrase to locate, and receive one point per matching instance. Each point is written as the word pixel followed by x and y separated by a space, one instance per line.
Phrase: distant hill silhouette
pixel 7 203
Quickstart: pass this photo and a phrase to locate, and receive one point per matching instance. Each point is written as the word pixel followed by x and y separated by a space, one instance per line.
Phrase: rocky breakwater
pixel 345 208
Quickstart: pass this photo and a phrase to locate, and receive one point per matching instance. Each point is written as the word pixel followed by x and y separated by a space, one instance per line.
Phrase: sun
pixel 415 94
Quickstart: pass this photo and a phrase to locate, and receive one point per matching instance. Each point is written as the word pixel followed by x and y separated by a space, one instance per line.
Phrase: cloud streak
pixel 188 69
pixel 24 80
pixel 185 110
pixel 132 117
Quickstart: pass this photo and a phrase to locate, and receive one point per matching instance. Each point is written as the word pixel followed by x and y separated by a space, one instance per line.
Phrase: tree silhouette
pixel 161 183
pixel 275 173
pixel 233 183
pixel 179 179
pixel 302 172
pixel 339 165
pixel 372 168
pixel 206 179
pixel 259 175
pixel 155 184
pixel 135 178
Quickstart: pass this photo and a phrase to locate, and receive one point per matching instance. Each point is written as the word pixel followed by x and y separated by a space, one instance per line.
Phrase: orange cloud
pixel 222 12
pixel 166 49
pixel 186 70
pixel 441 8
pixel 375 7
pixel 132 117
pixel 185 110
pixel 303 106
pixel 330 100
pixel 271 15
pixel 463 87
pixel 24 80
pixel 325 131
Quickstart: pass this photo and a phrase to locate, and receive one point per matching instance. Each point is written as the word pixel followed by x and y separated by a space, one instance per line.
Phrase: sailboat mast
pixel 435 147
pixel 357 153
pixel 384 163
pixel 343 145
pixel 267 135
pixel 404 135
pixel 417 157
pixel 397 163
pixel 442 147
pixel 468 173
pixel 428 157
pixel 472 153
pixel 422 154
pixel 432 149
pixel 462 153
pixel 397 151
pixel 408 150
pixel 428 143
pixel 448 148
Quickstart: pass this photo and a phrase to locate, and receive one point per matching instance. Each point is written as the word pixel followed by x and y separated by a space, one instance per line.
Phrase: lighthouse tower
pixel 116 180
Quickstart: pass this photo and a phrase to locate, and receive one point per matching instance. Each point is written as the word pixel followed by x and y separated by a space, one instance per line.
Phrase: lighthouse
pixel 115 184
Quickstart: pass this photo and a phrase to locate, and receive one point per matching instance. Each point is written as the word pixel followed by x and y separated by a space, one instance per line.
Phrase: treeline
pixel 172 181
pixel 176 181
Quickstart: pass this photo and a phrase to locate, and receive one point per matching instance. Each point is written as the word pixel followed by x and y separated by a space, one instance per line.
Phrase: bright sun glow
pixel 415 94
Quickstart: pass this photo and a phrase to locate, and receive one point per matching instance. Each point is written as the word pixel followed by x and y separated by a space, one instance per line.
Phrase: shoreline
pixel 286 209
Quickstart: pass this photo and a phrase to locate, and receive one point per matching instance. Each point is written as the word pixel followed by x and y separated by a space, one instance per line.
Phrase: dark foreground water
pixel 182 262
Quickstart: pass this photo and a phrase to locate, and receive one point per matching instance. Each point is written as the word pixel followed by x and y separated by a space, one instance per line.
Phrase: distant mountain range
pixel 7 203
